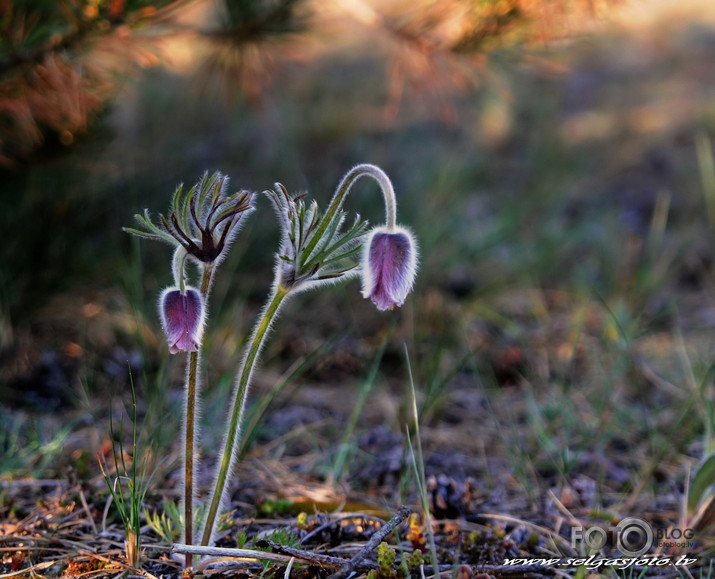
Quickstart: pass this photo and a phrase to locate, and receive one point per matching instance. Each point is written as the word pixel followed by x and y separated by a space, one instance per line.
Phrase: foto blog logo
pixel 632 537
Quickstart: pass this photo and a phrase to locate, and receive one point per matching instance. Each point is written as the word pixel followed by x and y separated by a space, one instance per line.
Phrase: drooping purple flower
pixel 182 317
pixel 389 265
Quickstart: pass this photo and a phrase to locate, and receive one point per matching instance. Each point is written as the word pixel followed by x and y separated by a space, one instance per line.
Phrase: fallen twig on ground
pixel 402 513
pixel 284 558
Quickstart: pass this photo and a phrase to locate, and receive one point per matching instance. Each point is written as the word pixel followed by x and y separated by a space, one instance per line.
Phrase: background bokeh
pixel 554 161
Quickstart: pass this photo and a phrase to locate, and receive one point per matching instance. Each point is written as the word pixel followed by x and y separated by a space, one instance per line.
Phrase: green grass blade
pixel 418 462
pixel 345 448
pixel 702 481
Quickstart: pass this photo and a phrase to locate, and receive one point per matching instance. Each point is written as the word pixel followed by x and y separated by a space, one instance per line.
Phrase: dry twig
pixel 283 559
pixel 402 513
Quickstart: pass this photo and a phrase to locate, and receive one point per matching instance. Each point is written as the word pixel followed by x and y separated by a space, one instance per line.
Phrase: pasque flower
pixel 315 251
pixel 182 317
pixel 389 252
pixel 389 265
pixel 317 248
pixel 201 224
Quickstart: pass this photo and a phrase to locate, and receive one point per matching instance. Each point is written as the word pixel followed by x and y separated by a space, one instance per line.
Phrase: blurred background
pixel 554 159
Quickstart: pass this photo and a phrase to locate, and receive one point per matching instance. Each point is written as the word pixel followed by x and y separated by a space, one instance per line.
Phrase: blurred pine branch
pixel 439 45
pixel 61 61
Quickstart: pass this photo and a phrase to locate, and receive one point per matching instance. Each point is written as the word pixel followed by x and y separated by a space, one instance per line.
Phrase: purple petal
pixel 182 319
pixel 389 267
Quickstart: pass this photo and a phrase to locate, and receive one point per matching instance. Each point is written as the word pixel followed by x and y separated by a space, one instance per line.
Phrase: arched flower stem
pixel 178 265
pixel 363 170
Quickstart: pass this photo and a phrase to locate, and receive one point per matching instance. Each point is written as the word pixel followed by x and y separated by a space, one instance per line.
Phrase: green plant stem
pixel 239 404
pixel 192 365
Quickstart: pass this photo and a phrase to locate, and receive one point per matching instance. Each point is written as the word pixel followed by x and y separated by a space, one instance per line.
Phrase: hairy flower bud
pixel 389 266
pixel 182 317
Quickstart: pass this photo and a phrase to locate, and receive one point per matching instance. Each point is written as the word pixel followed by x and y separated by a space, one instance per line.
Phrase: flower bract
pixel 203 220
